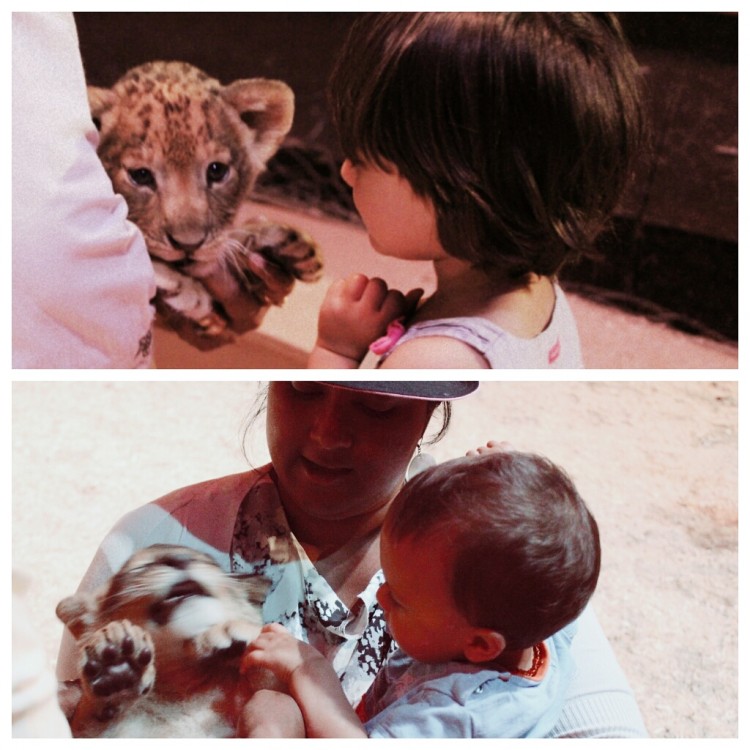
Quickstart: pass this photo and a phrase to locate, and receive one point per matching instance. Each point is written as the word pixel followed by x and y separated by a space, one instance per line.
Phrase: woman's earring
pixel 419 463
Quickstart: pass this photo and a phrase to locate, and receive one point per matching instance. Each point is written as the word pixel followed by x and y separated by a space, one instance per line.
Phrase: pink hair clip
pixel 385 343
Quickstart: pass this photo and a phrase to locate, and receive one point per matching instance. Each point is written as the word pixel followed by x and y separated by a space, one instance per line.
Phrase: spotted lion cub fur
pixel 185 151
pixel 160 645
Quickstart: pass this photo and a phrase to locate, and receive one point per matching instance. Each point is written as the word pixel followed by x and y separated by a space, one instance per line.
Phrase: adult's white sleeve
pixel 82 278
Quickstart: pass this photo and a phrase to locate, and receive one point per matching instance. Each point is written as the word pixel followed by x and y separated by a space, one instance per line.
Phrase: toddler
pixel 488 561
pixel 496 146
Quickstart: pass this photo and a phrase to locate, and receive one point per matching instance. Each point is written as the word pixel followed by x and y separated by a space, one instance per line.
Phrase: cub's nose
pixel 186 244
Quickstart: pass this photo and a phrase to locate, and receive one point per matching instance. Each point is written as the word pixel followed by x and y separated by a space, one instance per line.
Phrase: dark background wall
pixel 672 253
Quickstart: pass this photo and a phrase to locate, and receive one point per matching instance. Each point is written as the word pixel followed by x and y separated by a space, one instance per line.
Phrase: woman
pixel 310 522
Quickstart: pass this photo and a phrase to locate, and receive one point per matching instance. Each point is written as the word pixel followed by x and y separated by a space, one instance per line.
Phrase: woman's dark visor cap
pixel 430 390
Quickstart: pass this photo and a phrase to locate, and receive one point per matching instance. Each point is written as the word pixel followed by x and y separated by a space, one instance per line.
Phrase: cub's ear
pixel 100 101
pixel 266 106
pixel 78 613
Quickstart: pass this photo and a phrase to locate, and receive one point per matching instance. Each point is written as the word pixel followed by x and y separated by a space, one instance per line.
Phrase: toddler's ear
pixel 485 645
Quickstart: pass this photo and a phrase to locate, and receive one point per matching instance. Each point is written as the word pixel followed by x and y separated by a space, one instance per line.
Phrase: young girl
pixel 487 562
pixel 495 145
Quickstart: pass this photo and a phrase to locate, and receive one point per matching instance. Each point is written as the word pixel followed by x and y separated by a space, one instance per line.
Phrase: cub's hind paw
pixel 119 662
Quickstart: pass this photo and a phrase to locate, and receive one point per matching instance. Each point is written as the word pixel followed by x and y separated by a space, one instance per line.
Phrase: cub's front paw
pixel 297 252
pixel 182 297
pixel 209 325
pixel 227 639
pixel 118 665
pixel 290 249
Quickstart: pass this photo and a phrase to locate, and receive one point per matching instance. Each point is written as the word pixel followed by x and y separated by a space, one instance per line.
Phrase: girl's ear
pixel 484 645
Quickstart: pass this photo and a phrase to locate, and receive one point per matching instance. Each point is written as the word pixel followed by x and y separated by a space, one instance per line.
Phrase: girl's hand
pixel 493 446
pixel 277 650
pixel 356 311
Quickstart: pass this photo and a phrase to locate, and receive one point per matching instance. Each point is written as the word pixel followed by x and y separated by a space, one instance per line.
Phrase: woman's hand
pixel 355 312
pixel 492 446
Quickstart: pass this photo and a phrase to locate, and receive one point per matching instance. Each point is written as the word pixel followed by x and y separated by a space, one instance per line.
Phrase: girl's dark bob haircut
pixel 521 128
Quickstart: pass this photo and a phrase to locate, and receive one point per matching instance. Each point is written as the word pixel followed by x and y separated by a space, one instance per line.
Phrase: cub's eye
pixel 143 177
pixel 217 172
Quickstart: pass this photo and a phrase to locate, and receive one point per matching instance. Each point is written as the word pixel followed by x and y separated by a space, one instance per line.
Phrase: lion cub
pixel 185 151
pixel 160 646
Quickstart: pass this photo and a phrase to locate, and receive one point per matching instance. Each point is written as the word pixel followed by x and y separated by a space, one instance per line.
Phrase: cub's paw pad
pixel 119 658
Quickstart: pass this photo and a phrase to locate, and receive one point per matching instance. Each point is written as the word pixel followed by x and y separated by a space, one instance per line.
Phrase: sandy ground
pixel 657 462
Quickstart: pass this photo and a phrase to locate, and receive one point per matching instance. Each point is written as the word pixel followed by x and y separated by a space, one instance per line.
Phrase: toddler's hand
pixel 493 446
pixel 356 311
pixel 277 650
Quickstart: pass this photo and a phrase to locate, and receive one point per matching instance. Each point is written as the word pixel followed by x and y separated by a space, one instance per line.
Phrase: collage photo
pixel 375 375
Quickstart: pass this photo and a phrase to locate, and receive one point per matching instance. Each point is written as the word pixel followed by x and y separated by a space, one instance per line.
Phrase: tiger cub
pixel 160 646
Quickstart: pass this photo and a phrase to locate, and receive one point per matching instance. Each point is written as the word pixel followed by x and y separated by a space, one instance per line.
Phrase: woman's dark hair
pixel 521 128
pixel 527 554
